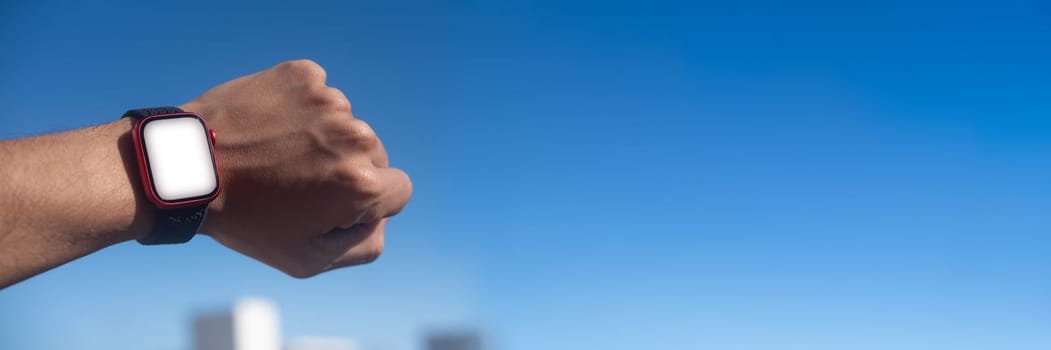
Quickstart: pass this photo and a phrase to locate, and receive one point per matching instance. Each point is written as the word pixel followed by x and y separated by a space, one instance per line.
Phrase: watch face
pixel 179 158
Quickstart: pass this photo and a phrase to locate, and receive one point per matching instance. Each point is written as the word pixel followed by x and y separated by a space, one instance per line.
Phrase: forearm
pixel 306 186
pixel 67 195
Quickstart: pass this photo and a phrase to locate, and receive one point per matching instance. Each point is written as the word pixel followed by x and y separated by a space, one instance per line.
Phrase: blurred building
pixel 251 324
pixel 321 343
pixel 454 340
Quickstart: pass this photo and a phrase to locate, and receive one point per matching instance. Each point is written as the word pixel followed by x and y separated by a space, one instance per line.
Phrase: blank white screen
pixel 179 158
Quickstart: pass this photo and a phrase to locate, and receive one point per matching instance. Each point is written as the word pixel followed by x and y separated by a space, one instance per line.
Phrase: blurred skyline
pixel 598 175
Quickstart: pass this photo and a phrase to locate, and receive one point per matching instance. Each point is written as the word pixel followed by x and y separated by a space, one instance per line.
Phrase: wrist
pixel 133 213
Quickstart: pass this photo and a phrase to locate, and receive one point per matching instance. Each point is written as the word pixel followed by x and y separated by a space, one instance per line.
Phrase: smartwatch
pixel 176 157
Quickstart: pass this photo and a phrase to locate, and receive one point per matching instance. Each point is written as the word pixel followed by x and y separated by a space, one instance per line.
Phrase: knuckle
pixel 337 99
pixel 361 180
pixel 302 64
pixel 361 133
pixel 330 97
pixel 351 131
pixel 304 68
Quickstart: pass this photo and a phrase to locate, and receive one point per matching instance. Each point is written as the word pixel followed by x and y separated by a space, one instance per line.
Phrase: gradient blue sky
pixel 599 175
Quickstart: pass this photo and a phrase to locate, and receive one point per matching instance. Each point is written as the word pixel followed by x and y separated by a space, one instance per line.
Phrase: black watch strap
pixel 146 112
pixel 170 226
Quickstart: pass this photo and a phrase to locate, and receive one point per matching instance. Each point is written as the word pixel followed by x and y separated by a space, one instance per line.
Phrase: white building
pixel 251 324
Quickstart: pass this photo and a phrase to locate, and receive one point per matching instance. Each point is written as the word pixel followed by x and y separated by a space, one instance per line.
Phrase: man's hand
pixel 306 187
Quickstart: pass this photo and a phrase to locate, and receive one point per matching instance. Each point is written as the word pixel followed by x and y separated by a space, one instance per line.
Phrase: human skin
pixel 306 187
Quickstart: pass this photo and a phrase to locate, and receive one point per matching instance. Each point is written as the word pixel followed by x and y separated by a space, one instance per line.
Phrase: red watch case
pixel 144 169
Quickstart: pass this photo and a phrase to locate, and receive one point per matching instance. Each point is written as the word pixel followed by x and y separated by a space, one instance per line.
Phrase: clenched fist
pixel 306 186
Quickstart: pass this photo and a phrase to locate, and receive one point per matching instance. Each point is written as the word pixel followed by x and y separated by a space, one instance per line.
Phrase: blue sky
pixel 599 175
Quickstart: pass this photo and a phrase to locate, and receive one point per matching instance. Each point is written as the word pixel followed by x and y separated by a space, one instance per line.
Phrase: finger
pixel 398 192
pixel 362 244
pixel 347 246
pixel 341 239
pixel 387 191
